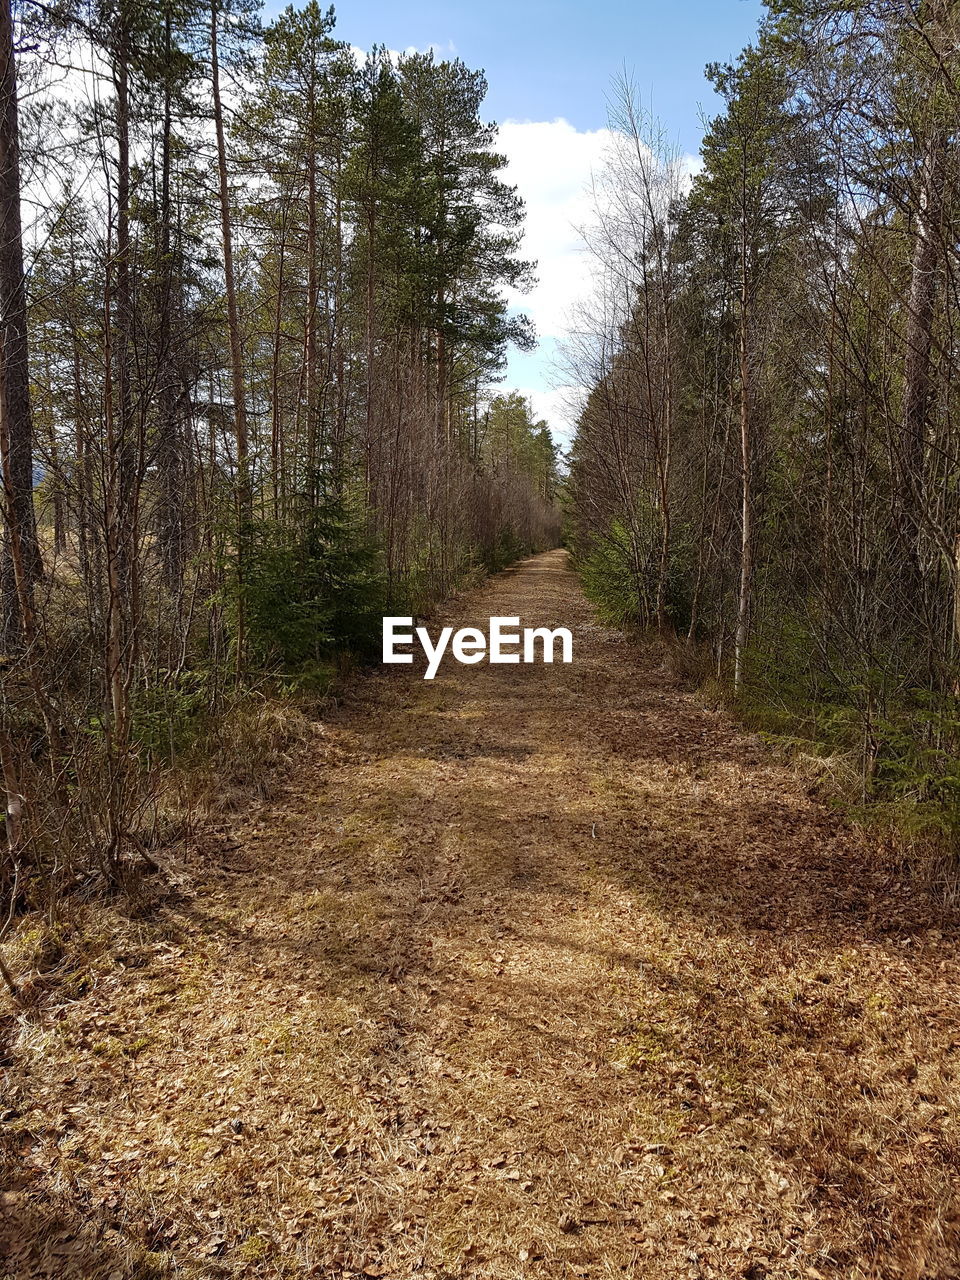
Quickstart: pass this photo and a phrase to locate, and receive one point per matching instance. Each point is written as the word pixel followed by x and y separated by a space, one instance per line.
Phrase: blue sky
pixel 550 64
pixel 550 58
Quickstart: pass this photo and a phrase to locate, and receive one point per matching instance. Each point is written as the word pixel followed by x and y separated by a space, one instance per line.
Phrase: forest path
pixel 530 971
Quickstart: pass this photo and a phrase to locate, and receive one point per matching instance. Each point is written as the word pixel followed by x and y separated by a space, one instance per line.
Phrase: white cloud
pixel 554 167
pixel 551 163
pixel 559 407
pixel 442 52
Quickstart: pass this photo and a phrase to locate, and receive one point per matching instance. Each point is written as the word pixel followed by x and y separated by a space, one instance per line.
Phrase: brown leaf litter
pixel 531 971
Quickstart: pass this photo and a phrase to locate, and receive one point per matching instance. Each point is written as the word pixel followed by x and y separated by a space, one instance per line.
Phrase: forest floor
pixel 529 971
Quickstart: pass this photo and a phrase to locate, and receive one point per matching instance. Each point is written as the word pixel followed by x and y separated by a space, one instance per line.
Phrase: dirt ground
pixel 528 972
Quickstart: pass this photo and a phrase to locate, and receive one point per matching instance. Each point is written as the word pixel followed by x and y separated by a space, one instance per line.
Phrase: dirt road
pixel 530 971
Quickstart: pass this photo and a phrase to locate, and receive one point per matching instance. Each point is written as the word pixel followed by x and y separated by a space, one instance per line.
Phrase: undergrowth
pixel 884 750
pixel 892 764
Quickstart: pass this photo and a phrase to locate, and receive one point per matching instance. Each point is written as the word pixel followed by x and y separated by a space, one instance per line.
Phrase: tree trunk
pixel 233 319
pixel 746 464
pixel 170 451
pixel 20 564
pixel 311 354
pixel 917 372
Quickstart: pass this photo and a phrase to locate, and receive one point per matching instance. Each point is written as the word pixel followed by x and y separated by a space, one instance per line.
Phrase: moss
pixel 39 947
pixel 114 1047
pixel 253 1249
pixel 645 1046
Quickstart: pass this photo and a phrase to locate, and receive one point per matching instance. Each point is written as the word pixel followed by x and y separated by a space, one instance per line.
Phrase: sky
pixel 550 65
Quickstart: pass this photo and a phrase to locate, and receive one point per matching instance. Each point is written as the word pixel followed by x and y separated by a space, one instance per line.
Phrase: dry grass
pixel 526 972
pixel 246 755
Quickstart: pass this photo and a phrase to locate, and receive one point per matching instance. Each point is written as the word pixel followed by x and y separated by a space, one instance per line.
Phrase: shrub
pixel 310 591
pixel 610 580
pixel 620 573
